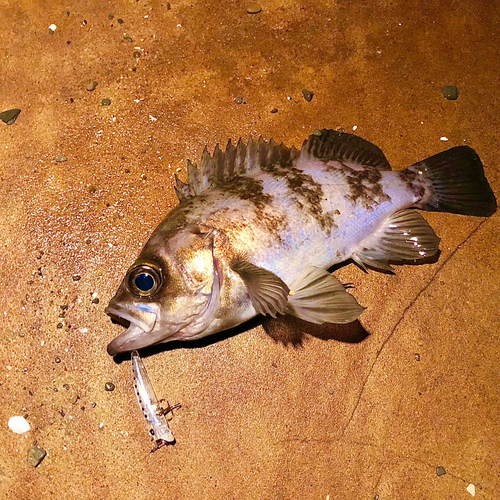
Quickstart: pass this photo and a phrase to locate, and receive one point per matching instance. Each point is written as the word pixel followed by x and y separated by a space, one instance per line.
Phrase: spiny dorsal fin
pixel 331 145
pixel 181 189
pixel 206 169
pixel 240 160
pixel 193 179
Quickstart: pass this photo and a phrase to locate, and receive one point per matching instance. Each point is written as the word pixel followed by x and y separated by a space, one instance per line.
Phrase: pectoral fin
pixel 267 292
pixel 405 235
pixel 318 297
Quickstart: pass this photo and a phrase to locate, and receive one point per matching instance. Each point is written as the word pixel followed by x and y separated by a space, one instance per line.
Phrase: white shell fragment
pixel 52 27
pixel 471 489
pixel 444 139
pixel 19 425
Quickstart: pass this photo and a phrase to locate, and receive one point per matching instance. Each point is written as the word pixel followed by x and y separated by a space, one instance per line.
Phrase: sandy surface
pixel 260 418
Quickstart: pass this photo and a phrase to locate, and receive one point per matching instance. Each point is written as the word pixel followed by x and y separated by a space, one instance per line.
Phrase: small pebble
pixel 308 95
pixel 450 92
pixel 128 39
pixel 274 110
pixel 90 85
pixel 440 471
pixel 52 28
pixel 66 386
pixel 58 359
pixel 36 455
pixel 106 102
pixel 60 158
pixel 92 189
pixel 109 386
pixel 137 55
pixel 19 425
pixel 444 139
pixel 76 277
pixel 239 100
pixel 110 16
pixel 417 356
pixel 120 21
pixel 254 8
pixel 317 132
pixel 95 300
pixel 9 116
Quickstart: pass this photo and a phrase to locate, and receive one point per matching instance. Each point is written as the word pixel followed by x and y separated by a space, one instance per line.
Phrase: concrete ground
pixel 263 416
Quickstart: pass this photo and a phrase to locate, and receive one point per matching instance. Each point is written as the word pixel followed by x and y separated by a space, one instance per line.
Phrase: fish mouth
pixel 138 333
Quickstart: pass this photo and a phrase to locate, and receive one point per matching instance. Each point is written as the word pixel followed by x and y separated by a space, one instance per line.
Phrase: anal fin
pixel 318 297
pixel 405 235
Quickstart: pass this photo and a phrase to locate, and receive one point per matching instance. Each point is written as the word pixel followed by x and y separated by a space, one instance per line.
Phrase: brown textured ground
pixel 260 420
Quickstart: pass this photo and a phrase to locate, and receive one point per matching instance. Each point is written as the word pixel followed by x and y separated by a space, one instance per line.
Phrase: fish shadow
pixel 290 330
pixel 191 344
pixel 287 330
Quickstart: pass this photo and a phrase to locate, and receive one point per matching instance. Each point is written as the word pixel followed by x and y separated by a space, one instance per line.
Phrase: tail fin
pixel 457 183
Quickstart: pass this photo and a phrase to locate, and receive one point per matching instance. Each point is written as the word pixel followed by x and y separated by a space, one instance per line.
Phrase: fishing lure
pixel 155 415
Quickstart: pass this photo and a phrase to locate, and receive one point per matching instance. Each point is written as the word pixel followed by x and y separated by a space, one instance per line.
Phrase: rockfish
pixel 259 225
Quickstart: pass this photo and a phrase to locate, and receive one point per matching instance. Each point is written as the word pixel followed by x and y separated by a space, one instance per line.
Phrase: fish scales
pixel 259 225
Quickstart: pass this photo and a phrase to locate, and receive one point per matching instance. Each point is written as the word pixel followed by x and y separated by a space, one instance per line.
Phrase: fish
pixel 259 225
pixel 150 406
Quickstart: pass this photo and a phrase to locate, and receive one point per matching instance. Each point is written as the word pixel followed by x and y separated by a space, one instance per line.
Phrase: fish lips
pixel 139 333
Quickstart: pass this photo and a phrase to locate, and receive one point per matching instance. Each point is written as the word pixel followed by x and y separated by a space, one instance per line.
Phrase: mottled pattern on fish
pixel 258 226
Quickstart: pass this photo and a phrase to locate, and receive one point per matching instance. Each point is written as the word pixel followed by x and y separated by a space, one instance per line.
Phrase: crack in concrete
pixel 389 455
pixel 419 294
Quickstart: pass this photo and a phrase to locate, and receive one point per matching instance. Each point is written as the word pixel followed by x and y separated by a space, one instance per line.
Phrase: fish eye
pixel 144 279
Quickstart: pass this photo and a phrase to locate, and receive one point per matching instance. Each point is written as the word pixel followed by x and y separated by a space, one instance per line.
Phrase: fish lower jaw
pixel 122 316
pixel 133 338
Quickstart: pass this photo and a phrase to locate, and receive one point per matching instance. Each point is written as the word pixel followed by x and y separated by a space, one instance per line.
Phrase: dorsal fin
pixel 181 189
pixel 330 145
pixel 247 159
pixel 236 161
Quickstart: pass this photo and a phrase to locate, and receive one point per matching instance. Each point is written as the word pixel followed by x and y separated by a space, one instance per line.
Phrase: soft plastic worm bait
pixel 154 414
